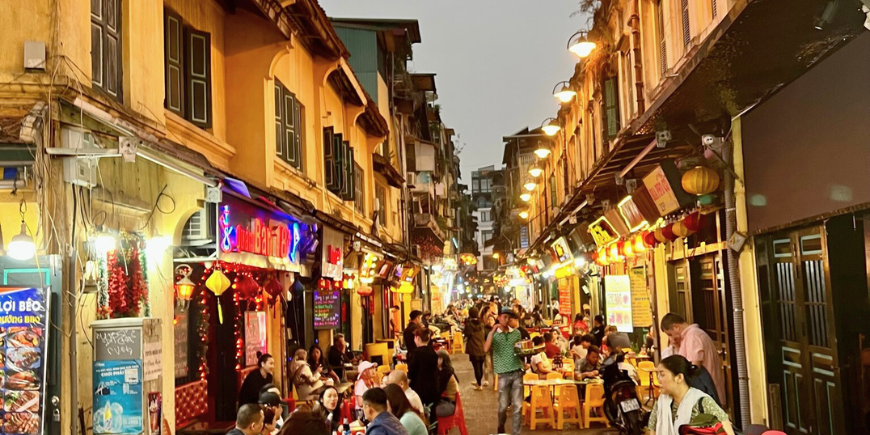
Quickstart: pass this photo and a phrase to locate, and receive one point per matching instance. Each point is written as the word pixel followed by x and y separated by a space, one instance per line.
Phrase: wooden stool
pixel 567 400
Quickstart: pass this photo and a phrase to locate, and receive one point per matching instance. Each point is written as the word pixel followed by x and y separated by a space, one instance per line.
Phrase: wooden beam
pixel 286 3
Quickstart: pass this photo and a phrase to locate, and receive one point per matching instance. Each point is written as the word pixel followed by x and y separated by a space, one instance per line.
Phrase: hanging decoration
pixel 700 181
pixel 364 291
pixel 680 229
pixel 668 232
pixel 695 221
pixel 183 286
pixel 218 283
pixel 246 287
pixel 202 330
pixel 123 287
pixel 650 240
pixel 274 289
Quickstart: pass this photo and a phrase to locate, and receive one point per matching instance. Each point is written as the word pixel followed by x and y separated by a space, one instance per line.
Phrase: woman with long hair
pixel 475 337
pixel 449 385
pixel 679 403
pixel 366 379
pixel 250 391
pixel 308 382
pixel 330 406
pixel 316 359
pixel 398 405
pixel 487 317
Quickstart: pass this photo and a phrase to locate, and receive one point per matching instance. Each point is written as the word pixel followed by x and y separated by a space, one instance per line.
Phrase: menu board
pixel 565 297
pixel 181 343
pixel 22 356
pixel 255 335
pixel 617 293
pixel 118 397
pixel 327 306
pixel 641 310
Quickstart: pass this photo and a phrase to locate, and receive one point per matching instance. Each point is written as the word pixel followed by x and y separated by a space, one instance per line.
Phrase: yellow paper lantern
pixel 638 243
pixel 218 283
pixel 700 181
pixel 680 230
pixel 660 236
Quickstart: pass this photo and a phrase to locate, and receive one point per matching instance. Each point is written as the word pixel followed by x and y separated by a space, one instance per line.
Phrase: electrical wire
pixel 157 207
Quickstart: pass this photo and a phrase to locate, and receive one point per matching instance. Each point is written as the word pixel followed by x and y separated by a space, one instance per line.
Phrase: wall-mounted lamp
pixel 581 45
pixel 565 94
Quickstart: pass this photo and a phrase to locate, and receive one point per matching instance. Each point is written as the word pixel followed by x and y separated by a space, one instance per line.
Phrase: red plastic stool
pixel 456 420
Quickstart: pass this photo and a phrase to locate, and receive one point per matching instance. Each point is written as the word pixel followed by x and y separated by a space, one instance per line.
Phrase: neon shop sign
pixel 272 239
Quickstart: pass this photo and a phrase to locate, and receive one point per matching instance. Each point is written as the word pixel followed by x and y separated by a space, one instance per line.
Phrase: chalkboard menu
pixel 181 343
pixel 327 306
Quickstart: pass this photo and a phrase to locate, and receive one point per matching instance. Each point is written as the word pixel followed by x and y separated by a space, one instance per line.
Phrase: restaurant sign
pixel 561 251
pixel 663 184
pixel 631 214
pixel 602 232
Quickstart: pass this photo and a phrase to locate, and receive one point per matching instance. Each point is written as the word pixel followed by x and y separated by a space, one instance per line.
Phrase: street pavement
pixel 481 407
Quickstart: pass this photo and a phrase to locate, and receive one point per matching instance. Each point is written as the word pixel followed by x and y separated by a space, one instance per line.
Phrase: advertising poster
pixel 641 309
pixel 22 356
pixel 327 304
pixel 617 292
pixel 255 335
pixel 118 397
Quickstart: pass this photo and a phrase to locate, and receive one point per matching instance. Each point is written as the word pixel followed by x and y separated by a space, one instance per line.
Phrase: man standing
pixel 414 323
pixel 375 410
pixel 249 420
pixel 598 329
pixel 509 368
pixel 697 347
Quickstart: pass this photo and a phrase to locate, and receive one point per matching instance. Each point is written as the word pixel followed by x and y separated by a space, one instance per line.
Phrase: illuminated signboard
pixel 664 187
pixel 561 250
pixel 368 270
pixel 631 214
pixel 602 232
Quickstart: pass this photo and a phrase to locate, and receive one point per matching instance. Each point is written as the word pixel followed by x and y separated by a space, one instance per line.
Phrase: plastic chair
pixel 554 375
pixel 533 335
pixel 456 420
pixel 541 401
pixel 528 377
pixel 647 365
pixel 384 369
pixel 457 345
pixel 594 402
pixel 403 367
pixel 567 400
pixel 644 389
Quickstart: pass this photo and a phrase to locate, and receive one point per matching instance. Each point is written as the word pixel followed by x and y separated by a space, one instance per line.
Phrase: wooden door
pixel 800 292
pixel 710 312
pixel 682 302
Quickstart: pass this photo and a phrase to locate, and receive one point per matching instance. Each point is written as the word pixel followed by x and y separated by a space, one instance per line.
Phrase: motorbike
pixel 622 407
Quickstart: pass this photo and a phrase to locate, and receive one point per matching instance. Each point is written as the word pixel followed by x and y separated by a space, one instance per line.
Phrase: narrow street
pixel 481 407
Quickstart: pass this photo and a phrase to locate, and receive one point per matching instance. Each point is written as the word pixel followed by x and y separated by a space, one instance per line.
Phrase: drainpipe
pixel 736 291
pixel 634 22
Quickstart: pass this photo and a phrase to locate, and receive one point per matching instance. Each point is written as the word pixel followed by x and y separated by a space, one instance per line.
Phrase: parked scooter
pixel 621 405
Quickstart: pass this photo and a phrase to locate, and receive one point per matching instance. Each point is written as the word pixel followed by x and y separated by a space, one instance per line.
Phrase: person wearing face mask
pixel 679 403
pixel 250 391
pixel 330 407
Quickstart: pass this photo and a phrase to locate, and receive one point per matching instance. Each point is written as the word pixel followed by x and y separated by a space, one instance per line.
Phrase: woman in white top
pixel 679 403
pixel 541 365
pixel 307 383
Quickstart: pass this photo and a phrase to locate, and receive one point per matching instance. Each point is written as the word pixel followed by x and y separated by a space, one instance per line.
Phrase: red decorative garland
pixel 127 288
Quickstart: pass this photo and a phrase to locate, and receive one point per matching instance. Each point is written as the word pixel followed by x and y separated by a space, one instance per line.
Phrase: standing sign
pixel 181 343
pixel 255 335
pixel 327 308
pixel 118 397
pixel 641 310
pixel 617 293
pixel 23 324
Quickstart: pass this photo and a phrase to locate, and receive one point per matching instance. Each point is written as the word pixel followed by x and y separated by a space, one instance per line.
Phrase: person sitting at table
pixel 285 412
pixel 616 340
pixel 589 366
pixel 550 348
pixel 304 421
pixel 250 391
pixel 308 382
pixel 249 420
pixel 339 354
pixel 270 422
pixel 367 379
pixel 375 410
pixel 398 405
pixel 400 378
pixel 581 345
pixel 448 385
pixel 579 327
pixel 271 401
pixel 541 365
pixel 316 360
pixel 330 408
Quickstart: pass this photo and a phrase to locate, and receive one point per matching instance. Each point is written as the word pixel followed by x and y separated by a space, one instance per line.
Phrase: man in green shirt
pixel 509 368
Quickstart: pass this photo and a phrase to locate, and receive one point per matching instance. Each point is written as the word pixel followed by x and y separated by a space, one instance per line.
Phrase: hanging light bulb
pixel 530 185
pixel 525 196
pixel 22 246
pixel 535 171
pixel 105 242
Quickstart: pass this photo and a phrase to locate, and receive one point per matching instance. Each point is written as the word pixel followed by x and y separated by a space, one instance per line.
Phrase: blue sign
pixel 22 358
pixel 118 397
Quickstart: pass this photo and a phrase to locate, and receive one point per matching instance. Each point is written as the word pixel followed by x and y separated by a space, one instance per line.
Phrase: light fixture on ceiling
pixel 525 196
pixel 524 214
pixel 22 247
pixel 530 185
pixel 535 171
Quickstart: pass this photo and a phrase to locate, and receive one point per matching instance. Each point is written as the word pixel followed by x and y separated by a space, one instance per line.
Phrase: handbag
pixel 702 424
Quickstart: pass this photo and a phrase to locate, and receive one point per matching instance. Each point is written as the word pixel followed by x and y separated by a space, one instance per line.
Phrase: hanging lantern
pixel 628 249
pixel 247 287
pixel 273 288
pixel 403 288
pixel 700 181
pixel 184 286
pixel 218 283
pixel 668 232
pixel 614 252
pixel 364 291
pixel 680 229
pixel 638 243
pixel 649 239
pixel 695 221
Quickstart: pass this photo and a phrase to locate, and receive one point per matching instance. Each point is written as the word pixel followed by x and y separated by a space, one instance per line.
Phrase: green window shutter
pixel 289 129
pixel 279 121
pixel 347 190
pixel 611 101
pixel 173 40
pixel 297 134
pixel 329 158
pixel 198 72
pixel 338 163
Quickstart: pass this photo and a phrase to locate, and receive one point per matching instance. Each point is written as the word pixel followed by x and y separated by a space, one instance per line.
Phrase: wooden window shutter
pixel 279 121
pixel 106 59
pixel 338 163
pixel 663 50
pixel 611 101
pixel 297 134
pixel 173 49
pixel 329 177
pixel 289 129
pixel 198 77
pixel 687 33
pixel 347 167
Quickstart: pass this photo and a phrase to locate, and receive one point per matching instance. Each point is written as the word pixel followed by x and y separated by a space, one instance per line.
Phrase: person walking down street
pixel 679 403
pixel 375 409
pixel 415 322
pixel 423 371
pixel 250 391
pixel 509 368
pixel 488 318
pixel 697 347
pixel 249 420
pixel 411 419
pixel 475 336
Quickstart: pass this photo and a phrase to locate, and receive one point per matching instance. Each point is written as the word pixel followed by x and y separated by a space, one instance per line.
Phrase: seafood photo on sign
pixel 22 358
pixel 26 423
pixel 19 401
pixel 24 337
pixel 26 380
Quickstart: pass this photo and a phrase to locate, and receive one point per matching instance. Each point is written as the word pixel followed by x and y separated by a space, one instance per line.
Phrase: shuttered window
pixel 358 190
pixel 339 166
pixel 187 70
pixel 329 177
pixel 288 126
pixel 687 33
pixel 553 201
pixel 106 47
pixel 381 195
pixel 611 107
pixel 348 166
pixel 663 51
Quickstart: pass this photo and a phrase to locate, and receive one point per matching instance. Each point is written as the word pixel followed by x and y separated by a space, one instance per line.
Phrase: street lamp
pixel 550 128
pixel 524 214
pixel 530 185
pixel 525 196
pixel 565 94
pixel 495 255
pixel 581 46
pixel 535 171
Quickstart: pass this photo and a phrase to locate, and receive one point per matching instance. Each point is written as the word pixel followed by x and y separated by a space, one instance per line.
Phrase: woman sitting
pixel 367 378
pixel 317 360
pixel 449 385
pixel 307 383
pixel 330 407
pixel 270 421
pixel 398 405
pixel 679 403
pixel 541 365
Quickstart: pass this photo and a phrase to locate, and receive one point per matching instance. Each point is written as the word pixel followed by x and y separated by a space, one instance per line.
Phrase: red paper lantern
pixel 247 288
pixel 668 232
pixel 364 291
pixel 273 287
pixel 695 221
pixel 650 239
